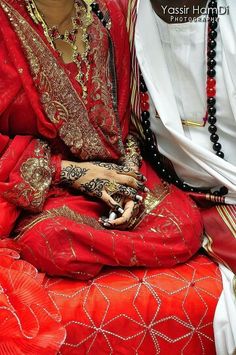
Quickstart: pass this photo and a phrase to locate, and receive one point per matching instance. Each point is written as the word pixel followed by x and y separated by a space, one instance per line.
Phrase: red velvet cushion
pixel 139 311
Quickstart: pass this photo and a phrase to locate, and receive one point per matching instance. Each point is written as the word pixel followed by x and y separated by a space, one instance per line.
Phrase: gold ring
pixel 112 187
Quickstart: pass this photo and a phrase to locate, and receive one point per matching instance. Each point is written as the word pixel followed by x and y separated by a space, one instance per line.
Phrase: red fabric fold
pixel 30 321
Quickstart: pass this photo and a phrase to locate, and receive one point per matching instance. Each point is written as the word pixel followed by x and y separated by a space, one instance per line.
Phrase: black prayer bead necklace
pixel 210 117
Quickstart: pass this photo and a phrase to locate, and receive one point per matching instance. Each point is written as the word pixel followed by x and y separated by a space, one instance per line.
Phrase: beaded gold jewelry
pixel 133 157
pixel 81 21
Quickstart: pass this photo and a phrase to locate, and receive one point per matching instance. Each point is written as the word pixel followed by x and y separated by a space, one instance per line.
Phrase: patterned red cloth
pixel 122 311
pixel 140 311
pixel 30 322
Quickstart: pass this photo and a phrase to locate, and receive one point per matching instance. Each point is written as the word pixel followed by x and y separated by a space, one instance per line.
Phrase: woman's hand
pixel 103 180
pixel 127 219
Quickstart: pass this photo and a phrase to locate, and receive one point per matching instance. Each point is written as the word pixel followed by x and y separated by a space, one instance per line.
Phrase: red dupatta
pixel 52 93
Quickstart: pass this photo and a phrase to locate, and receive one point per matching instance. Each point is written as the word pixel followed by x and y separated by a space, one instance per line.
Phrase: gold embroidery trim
pixel 60 100
pixel 151 201
pixel 37 171
pixel 63 211
pixel 36 174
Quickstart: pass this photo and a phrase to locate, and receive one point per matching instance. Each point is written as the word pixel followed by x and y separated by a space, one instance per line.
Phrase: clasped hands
pixel 118 186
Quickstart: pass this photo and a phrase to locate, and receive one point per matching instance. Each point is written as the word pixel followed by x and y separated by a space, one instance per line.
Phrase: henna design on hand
pixel 94 187
pixel 112 166
pixel 71 173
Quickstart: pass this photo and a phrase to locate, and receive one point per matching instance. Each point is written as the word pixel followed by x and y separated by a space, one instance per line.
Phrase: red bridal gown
pixel 43 119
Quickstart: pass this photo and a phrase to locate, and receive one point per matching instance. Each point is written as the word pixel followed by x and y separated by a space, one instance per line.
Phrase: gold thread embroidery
pixel 36 171
pixel 154 198
pixel 151 201
pixel 63 211
pixel 59 99
pixel 37 176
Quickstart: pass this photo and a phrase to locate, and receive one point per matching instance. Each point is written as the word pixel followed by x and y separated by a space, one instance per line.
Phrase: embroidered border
pixel 60 101
pixel 36 173
pixel 63 211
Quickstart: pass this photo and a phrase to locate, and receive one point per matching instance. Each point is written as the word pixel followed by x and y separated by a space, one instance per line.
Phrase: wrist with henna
pixel 71 173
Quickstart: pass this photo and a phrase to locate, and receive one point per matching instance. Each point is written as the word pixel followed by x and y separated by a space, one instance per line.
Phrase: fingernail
pixel 120 210
pixel 138 198
pixel 112 216
pixel 146 189
pixel 107 224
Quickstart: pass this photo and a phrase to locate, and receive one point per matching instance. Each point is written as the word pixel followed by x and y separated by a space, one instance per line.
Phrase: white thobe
pixel 172 58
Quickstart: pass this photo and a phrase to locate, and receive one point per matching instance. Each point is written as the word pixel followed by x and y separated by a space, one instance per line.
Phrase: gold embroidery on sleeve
pixel 36 174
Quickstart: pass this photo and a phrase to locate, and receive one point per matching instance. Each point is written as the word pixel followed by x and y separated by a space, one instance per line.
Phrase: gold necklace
pixel 82 20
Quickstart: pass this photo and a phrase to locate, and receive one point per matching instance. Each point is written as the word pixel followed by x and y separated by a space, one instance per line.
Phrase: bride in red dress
pixel 75 192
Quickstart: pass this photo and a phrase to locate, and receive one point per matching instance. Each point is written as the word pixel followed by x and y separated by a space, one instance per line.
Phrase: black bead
pixel 212 3
pixel 213 14
pixel 141 78
pixel 211 110
pixel 213 10
pixel 212 129
pixel 149 140
pixel 179 183
pixel 143 87
pixel 211 101
pixel 212 44
pixel 99 14
pixel 148 132
pixel 216 193
pixel 217 147
pixel 146 124
pixel 104 22
pixel 152 147
pixel 211 63
pixel 185 187
pixel 95 6
pixel 213 25
pixel 211 53
pixel 224 190
pixel 211 73
pixel 220 154
pixel 155 155
pixel 212 34
pixel 145 115
pixel 214 138
pixel 212 119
